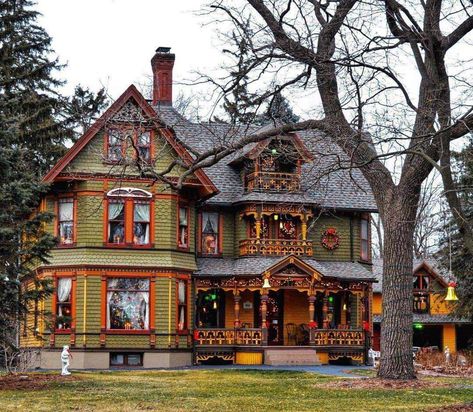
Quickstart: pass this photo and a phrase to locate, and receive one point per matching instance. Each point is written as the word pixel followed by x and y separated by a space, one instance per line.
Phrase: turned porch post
pixel 325 310
pixel 304 226
pixel 258 218
pixel 264 309
pixel 236 300
pixel 311 317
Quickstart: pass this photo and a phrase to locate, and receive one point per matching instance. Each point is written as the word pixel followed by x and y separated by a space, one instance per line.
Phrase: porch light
pixel 418 326
pixel 330 299
pixel 266 284
pixel 274 152
pixel 215 304
pixel 276 217
pixel 451 294
pixel 344 306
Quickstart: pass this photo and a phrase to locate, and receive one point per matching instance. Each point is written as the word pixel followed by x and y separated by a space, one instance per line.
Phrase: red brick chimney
pixel 162 64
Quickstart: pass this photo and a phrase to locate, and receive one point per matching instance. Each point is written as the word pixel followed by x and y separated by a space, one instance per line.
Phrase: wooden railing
pixel 253 337
pixel 245 337
pixel 273 182
pixel 335 337
pixel 275 247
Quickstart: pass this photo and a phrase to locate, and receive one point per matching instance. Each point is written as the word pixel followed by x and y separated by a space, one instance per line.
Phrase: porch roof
pixel 430 319
pixel 251 266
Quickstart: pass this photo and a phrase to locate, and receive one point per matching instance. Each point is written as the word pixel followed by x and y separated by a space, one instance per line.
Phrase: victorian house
pixel 264 257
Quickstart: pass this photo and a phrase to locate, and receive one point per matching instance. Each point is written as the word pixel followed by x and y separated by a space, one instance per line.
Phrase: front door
pixel 274 318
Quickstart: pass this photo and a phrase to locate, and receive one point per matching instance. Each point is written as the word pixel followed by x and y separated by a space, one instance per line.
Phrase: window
pixel 63 303
pixel 183 236
pixel 182 305
pixel 126 359
pixel 210 223
pixel 116 222
pixel 116 145
pixel 66 221
pixel 143 143
pixel 141 223
pixel 421 302
pixel 421 293
pixel 129 217
pixel 364 239
pixel 128 303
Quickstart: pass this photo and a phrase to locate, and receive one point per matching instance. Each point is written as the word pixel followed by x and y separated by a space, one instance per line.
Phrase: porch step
pixel 287 357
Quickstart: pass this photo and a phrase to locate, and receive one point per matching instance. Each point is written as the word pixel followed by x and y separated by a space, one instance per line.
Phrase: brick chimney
pixel 162 64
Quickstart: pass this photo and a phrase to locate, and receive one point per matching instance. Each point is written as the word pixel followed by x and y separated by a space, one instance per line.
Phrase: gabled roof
pixel 130 93
pixel 432 266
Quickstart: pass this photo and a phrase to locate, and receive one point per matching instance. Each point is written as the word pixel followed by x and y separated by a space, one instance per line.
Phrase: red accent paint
pixel 162 64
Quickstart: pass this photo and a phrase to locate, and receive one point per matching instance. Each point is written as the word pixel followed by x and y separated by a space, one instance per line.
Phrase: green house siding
pixel 90 218
pixel 228 239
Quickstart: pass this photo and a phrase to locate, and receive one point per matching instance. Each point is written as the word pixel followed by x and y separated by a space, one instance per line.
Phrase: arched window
pixel 129 217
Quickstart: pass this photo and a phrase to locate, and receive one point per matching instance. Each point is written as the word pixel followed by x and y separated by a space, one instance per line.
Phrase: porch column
pixel 325 310
pixel 264 309
pixel 311 318
pixel 258 218
pixel 304 226
pixel 236 300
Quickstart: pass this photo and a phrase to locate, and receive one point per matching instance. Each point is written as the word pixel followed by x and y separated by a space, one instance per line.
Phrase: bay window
pixel 183 235
pixel 181 305
pixel 66 221
pixel 63 295
pixel 128 303
pixel 210 233
pixel 116 222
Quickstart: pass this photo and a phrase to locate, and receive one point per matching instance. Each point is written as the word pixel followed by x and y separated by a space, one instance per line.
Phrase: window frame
pixel 365 218
pixel 57 225
pixel 187 209
pixel 129 199
pixel 219 234
pixel 185 330
pixel 151 303
pixel 126 131
pixel 72 303
pixel 125 359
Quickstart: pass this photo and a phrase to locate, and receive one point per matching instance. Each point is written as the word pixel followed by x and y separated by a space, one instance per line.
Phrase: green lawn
pixel 226 390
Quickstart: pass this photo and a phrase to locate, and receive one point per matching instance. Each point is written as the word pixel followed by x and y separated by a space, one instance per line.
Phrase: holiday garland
pixel 330 239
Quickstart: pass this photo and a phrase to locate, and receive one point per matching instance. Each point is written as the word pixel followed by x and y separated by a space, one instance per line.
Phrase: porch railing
pixel 253 337
pixel 244 337
pixel 275 247
pixel 335 337
pixel 273 182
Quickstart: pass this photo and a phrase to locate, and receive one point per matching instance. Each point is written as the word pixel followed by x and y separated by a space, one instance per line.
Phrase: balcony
pixel 275 247
pixel 273 182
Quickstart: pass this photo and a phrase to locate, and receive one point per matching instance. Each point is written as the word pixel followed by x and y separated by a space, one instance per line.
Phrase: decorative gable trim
pixel 293 263
pixel 121 110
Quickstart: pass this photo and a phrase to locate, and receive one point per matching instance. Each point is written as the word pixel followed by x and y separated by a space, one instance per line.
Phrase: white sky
pixel 111 42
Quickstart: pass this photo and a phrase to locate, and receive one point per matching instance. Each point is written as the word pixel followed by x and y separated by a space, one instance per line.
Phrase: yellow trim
pixel 84 318
pixel 169 310
pixel 249 358
pixel 323 357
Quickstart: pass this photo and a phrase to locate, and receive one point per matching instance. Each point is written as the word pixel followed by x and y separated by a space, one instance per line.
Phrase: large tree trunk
pixel 396 326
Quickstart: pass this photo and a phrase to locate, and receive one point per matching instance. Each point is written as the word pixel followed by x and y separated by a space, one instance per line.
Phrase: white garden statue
pixel 446 352
pixel 65 355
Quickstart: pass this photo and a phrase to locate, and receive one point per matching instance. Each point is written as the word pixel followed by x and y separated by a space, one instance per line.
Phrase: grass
pixel 226 390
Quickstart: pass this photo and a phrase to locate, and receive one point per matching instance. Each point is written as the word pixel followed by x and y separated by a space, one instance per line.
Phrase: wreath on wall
pixel 288 228
pixel 330 239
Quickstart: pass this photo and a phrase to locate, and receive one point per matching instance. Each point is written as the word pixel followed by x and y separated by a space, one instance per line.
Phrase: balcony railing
pixel 273 182
pixel 275 247
pixel 225 337
pixel 253 337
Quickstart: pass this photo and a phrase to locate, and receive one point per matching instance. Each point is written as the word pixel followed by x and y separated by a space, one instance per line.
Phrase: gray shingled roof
pixel 339 189
pixel 248 266
pixel 433 263
pixel 426 318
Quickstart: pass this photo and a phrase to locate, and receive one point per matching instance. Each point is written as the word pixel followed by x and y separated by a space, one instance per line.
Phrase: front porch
pixel 286 310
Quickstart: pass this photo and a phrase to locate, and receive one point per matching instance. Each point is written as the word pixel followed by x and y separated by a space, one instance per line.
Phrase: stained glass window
pixel 128 303
pixel 66 221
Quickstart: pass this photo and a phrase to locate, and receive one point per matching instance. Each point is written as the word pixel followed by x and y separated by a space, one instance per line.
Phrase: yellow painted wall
pixel 438 306
pixel 377 304
pixel 249 358
pixel 449 337
pixel 296 310
pixel 246 315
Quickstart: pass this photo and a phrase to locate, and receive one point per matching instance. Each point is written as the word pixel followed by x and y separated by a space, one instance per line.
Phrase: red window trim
pixel 129 205
pixel 365 217
pixel 184 206
pixel 185 331
pixel 74 222
pixel 219 234
pixel 70 330
pixel 152 302
pixel 124 144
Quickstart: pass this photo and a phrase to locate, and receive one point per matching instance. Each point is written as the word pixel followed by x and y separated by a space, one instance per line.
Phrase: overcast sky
pixel 111 42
